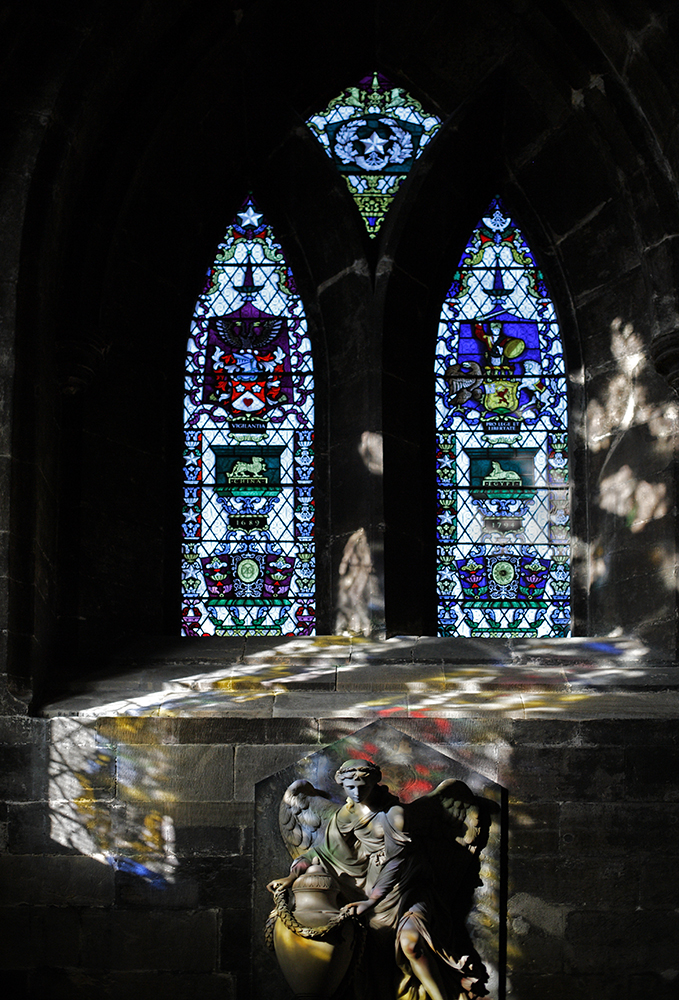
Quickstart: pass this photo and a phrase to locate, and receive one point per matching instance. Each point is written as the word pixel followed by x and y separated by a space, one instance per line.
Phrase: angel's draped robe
pixel 368 853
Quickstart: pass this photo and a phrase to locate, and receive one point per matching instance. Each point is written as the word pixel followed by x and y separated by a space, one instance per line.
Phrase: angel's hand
pixel 360 906
pixel 281 883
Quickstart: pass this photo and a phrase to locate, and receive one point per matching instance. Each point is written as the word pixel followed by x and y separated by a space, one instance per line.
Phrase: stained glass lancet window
pixel 503 541
pixel 248 554
pixel 374 133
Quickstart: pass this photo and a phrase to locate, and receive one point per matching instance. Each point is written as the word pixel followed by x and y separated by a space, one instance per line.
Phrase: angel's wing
pixel 450 811
pixel 448 826
pixel 303 816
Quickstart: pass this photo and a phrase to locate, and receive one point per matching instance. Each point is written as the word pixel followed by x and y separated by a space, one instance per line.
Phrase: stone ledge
pixel 335 676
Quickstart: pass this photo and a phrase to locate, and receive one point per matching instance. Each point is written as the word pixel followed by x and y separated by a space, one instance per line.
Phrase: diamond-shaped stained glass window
pixel 374 132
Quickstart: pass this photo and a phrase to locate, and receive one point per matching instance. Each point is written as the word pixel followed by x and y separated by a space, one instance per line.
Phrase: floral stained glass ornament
pixel 374 133
pixel 248 551
pixel 503 523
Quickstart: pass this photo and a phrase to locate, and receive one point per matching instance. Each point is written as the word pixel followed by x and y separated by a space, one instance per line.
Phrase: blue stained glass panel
pixel 248 550
pixel 503 511
pixel 374 133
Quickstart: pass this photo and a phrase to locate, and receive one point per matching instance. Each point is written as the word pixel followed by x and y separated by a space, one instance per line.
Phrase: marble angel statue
pixel 408 870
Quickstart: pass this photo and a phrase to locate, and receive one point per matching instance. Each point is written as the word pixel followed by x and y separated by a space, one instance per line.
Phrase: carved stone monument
pixel 391 885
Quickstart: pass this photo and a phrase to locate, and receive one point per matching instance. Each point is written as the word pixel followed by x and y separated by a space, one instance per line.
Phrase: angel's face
pixel 358 786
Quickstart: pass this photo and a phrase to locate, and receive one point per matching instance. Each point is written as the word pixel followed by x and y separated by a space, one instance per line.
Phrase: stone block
pixel 141 729
pixel 534 934
pixel 212 841
pixel 81 763
pixel 56 935
pixel 453 733
pixel 535 877
pixel 533 774
pixel 19 729
pixel 543 733
pixel 337 728
pixel 237 730
pixel 84 984
pixel 229 815
pixel 655 933
pixel 253 763
pixel 222 881
pixel 575 167
pixel 648 770
pixel 174 773
pixel 29 829
pixel 660 985
pixel 526 986
pixel 236 939
pixel 60 880
pixel 194 883
pixel 227 698
pixel 32 935
pixel 459 651
pixel 312 708
pixel 174 893
pixel 16 983
pixel 602 940
pixel 638 732
pixel 620 828
pixel 600 883
pixel 17 950
pixel 593 259
pixel 23 770
pixel 482 759
pixel 658 884
pixel 389 674
pixel 181 940
pixel 533 829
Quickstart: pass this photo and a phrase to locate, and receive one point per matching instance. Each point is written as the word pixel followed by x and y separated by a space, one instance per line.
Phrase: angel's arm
pixel 297 868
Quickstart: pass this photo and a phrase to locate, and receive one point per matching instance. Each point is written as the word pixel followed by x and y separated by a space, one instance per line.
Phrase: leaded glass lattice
pixel 374 133
pixel 503 527
pixel 248 553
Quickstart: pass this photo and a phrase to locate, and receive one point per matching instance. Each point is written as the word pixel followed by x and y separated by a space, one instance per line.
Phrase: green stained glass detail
pixel 374 132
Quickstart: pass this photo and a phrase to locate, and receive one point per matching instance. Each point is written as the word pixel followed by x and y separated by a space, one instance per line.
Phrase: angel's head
pixel 358 778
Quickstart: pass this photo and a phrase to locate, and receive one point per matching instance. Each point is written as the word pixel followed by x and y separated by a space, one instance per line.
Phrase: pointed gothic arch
pixel 503 510
pixel 249 550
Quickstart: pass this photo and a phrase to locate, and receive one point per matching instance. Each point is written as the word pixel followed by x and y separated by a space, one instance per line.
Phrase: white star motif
pixel 374 144
pixel 250 218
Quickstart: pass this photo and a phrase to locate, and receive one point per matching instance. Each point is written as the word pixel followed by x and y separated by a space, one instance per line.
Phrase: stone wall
pixel 128 837
pixel 130 133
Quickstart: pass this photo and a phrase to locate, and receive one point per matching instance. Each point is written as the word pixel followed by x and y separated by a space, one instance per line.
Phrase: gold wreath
pixel 282 912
